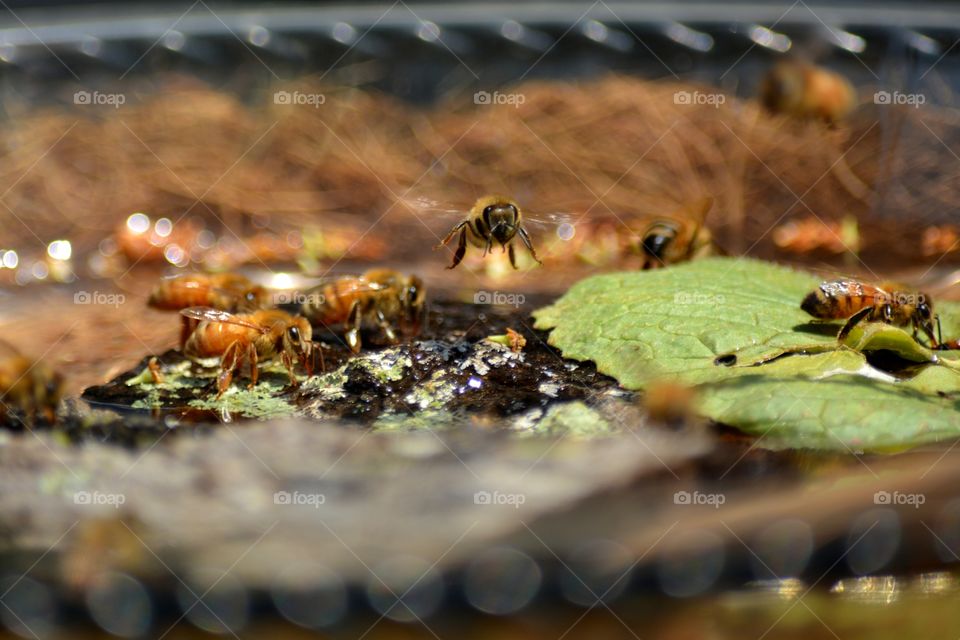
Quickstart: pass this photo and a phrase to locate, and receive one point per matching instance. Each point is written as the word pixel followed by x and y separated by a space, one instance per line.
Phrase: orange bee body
pixel 858 301
pixel 807 91
pixel 256 336
pixel 384 297
pixel 27 387
pixel 223 291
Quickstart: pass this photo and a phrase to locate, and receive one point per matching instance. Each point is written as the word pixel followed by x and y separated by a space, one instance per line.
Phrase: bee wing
pixel 429 207
pixel 209 314
pixel 348 282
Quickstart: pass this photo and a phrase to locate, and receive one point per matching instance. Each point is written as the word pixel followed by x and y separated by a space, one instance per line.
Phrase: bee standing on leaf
pixel 223 291
pixel 491 219
pixel 386 298
pixel 857 301
pixel 680 238
pixel 250 337
pixel 27 387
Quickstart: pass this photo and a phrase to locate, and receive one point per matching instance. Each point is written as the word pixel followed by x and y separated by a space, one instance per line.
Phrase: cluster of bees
pixel 230 317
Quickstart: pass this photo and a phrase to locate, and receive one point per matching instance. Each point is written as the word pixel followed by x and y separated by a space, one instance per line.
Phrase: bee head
pixel 501 219
pixel 297 338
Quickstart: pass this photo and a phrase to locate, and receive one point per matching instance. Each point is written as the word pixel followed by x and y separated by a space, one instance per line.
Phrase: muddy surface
pixel 449 373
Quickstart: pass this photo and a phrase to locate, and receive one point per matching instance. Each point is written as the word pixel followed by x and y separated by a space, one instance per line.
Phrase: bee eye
pixel 488 210
pixel 654 244
pixel 294 333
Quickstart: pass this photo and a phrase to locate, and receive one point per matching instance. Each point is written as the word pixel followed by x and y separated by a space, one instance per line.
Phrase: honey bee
pixel 491 219
pixel 256 336
pixel 224 291
pixel 383 297
pixel 857 301
pixel 27 387
pixel 805 91
pixel 681 238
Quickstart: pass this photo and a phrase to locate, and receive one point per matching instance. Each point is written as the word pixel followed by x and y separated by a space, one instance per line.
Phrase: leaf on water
pixel 734 327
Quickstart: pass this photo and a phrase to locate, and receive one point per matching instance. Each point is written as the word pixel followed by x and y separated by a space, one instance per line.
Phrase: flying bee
pixel 681 238
pixel 27 387
pixel 857 301
pixel 806 91
pixel 251 337
pixel 386 298
pixel 491 219
pixel 223 291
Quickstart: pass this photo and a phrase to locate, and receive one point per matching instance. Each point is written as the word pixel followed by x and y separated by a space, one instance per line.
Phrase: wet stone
pixel 449 374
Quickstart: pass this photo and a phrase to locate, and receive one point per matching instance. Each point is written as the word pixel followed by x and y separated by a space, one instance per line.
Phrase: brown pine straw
pixel 616 150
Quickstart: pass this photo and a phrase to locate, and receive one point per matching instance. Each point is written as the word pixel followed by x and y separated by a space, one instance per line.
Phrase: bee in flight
pixel 27 387
pixel 680 238
pixel 491 219
pixel 386 298
pixel 857 301
pixel 251 337
pixel 223 291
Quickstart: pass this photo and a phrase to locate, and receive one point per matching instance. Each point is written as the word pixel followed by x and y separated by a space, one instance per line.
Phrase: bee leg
pixel 288 365
pixel 310 358
pixel 227 365
pixel 513 256
pixel 254 365
pixel 450 235
pixel 526 242
pixel 353 321
pixel 853 321
pixel 461 249
pixel 386 327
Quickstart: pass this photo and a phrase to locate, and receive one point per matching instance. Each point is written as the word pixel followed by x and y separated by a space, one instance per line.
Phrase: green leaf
pixel 734 327
pixel 843 412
